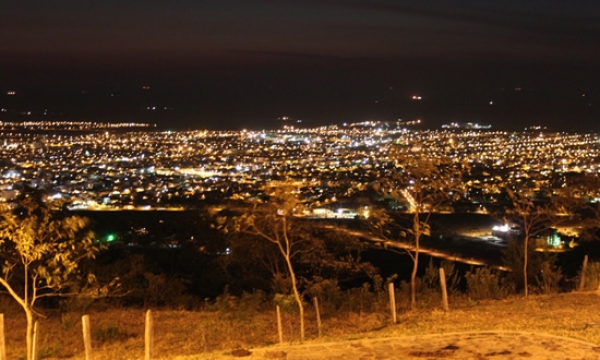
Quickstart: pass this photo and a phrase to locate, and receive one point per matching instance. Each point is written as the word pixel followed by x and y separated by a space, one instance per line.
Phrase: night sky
pixel 242 64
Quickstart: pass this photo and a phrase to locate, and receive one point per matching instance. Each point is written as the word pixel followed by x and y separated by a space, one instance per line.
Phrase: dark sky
pixel 232 64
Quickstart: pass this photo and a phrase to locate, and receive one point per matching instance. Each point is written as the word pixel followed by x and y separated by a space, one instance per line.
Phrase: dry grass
pixel 119 333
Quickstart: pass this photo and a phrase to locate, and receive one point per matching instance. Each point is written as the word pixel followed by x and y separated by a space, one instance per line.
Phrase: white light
pixel 503 228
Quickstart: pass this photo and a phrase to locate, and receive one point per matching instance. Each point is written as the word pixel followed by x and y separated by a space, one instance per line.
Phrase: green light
pixel 110 237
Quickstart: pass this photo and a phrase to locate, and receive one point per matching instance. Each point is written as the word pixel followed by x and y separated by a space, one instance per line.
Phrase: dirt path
pixel 473 345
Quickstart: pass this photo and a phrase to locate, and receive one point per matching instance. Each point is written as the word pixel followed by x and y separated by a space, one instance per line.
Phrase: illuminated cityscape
pixel 331 167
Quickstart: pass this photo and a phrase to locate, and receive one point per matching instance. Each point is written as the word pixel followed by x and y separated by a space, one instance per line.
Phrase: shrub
pixel 48 349
pixel 327 292
pixel 368 298
pixel 431 278
pixel 360 299
pixel 485 284
pixel 223 303
pixel 161 290
pixel 592 276
pixel 252 302
pixel 77 304
pixel 108 334
pixel 286 303
pixel 549 278
pixel 452 277
pixel 69 320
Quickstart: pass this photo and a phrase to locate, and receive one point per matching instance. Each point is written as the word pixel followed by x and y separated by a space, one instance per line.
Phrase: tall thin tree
pixel 535 220
pixel 274 222
pixel 424 184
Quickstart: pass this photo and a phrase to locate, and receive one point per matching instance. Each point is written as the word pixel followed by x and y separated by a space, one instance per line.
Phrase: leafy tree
pixel 297 253
pixel 423 184
pixel 273 221
pixel 253 263
pixel 534 220
pixel 541 267
pixel 333 255
pixel 41 250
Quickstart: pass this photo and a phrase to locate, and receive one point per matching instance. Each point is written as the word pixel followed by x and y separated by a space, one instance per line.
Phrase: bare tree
pixel 41 250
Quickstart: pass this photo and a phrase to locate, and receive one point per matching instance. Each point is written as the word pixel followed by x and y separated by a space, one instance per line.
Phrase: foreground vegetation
pixel 248 322
pixel 227 279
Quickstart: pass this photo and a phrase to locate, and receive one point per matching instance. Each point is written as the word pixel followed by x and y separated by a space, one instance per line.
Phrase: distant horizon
pixel 138 125
pixel 236 64
pixel 509 96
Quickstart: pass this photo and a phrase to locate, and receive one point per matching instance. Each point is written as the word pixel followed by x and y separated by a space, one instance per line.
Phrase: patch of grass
pixel 69 320
pixel 48 351
pixel 108 334
pixel 119 334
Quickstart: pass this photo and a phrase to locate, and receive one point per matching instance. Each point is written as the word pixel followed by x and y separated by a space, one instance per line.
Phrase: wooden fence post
pixel 316 301
pixel 583 270
pixel 149 336
pixel 34 348
pixel 444 290
pixel 392 295
pixel 2 343
pixel 279 327
pixel 87 336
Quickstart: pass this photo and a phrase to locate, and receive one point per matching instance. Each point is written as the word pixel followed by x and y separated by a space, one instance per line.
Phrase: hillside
pixel 231 323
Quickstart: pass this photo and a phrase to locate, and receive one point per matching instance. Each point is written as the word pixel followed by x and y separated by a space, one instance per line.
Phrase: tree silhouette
pixel 424 185
pixel 535 219
pixel 274 222
pixel 296 251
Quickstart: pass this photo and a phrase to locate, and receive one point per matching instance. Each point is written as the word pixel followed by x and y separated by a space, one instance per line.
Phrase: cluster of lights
pixel 328 163
pixel 66 125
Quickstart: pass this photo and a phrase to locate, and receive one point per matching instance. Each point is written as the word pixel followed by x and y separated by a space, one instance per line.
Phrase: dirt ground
pixel 471 345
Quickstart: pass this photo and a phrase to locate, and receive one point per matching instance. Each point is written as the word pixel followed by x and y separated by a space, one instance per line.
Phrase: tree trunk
pixel 415 258
pixel 29 335
pixel 525 258
pixel 413 282
pixel 297 297
pixel 287 254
